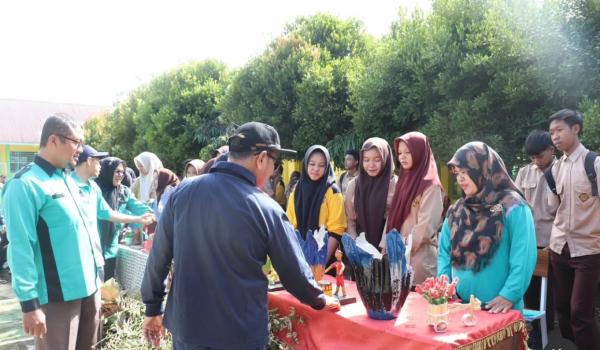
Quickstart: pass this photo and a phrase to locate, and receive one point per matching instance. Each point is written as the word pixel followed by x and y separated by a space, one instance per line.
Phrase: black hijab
pixel 105 180
pixel 309 194
pixel 128 177
pixel 111 195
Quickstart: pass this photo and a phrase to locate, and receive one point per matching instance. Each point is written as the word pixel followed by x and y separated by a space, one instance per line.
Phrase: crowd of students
pixel 488 238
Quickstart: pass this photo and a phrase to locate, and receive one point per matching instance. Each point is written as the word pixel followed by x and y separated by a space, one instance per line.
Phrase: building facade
pixel 21 124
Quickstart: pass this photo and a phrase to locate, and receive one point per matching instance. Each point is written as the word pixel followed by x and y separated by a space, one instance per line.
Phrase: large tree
pixel 300 84
pixel 462 73
pixel 164 116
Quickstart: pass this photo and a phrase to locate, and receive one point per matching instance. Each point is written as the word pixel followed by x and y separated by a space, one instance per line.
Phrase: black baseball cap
pixel 256 137
pixel 89 151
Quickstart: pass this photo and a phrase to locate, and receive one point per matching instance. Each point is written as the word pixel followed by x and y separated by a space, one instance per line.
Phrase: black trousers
pixel 575 283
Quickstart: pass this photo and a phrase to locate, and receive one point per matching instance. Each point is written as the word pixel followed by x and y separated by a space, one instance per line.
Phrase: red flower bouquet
pixel 437 290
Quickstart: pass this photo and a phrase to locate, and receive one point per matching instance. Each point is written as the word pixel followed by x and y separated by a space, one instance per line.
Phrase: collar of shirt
pixel 235 170
pixel 45 165
pixel 579 151
pixel 537 168
pixel 86 185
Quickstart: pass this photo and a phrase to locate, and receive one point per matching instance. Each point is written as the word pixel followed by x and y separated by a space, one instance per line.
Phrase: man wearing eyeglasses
pixel 219 228
pixel 55 268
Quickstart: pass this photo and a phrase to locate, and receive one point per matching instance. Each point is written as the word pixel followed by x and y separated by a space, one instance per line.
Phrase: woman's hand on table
pixel 331 304
pixel 499 304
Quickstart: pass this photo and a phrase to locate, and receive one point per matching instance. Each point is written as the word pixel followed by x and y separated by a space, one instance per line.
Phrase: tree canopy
pixel 489 70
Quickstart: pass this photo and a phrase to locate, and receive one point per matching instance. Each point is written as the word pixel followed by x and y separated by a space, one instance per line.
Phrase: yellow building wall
pixel 3 160
pixel 5 150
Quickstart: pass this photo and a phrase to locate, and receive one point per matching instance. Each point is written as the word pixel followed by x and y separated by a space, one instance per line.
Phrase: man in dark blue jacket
pixel 219 228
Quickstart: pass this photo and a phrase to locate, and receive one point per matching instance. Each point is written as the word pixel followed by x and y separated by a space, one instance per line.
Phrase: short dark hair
pixel 537 142
pixel 354 153
pixel 570 117
pixel 58 124
pixel 240 155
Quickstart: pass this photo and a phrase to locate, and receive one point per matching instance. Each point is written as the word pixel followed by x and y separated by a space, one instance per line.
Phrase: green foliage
pixel 96 131
pixel 340 144
pixel 166 116
pixel 392 93
pixel 300 84
pixel 337 37
pixel 488 70
pixel 283 323
pixel 591 123
pixel 124 329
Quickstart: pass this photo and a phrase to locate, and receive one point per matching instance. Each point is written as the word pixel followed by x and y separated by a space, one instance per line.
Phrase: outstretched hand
pixel 147 219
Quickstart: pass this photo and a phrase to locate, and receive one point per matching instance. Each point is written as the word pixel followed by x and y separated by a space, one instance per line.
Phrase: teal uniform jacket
pixel 96 209
pixel 128 204
pixel 51 251
pixel 509 271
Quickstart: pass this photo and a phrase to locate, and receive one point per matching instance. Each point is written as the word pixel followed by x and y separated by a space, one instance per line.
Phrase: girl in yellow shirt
pixel 317 200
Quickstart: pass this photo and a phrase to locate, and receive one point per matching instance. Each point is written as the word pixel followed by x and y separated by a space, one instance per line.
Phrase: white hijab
pixel 151 164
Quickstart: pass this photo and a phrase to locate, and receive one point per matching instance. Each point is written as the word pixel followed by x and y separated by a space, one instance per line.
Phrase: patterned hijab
pixel 370 196
pixel 309 194
pixel 414 181
pixel 476 222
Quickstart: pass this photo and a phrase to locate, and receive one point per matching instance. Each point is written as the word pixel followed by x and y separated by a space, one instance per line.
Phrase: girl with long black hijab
pixel 120 198
pixel 317 200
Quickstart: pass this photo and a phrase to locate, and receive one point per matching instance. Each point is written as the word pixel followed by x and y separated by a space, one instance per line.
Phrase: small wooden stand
pixel 346 300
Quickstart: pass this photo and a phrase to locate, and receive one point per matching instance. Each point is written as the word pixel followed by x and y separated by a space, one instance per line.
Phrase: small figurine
pixel 339 273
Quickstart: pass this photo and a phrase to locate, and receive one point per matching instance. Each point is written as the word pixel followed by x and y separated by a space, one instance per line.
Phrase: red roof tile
pixel 21 121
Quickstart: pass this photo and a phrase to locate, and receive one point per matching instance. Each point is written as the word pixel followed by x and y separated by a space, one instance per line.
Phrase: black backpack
pixel 342 178
pixel 590 158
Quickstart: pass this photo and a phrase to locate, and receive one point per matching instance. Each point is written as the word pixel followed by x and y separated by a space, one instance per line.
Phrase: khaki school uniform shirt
pixel 577 219
pixel 350 209
pixel 424 218
pixel 531 181
pixel 346 181
pixel 423 222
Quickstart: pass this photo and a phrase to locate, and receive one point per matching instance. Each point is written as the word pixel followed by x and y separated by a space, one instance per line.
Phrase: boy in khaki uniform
pixel 532 183
pixel 575 238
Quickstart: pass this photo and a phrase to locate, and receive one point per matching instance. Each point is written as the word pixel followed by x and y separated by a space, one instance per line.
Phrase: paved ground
pixel 11 333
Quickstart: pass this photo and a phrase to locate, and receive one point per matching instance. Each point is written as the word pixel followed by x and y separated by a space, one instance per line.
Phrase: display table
pixel 131 264
pixel 350 328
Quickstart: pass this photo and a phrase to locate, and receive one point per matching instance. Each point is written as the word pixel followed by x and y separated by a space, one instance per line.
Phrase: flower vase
pixel 437 316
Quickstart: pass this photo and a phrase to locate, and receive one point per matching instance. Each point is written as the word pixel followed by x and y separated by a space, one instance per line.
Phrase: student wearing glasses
pixel 120 199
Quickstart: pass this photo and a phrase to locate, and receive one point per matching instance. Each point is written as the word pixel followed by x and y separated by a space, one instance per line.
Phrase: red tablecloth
pixel 350 328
